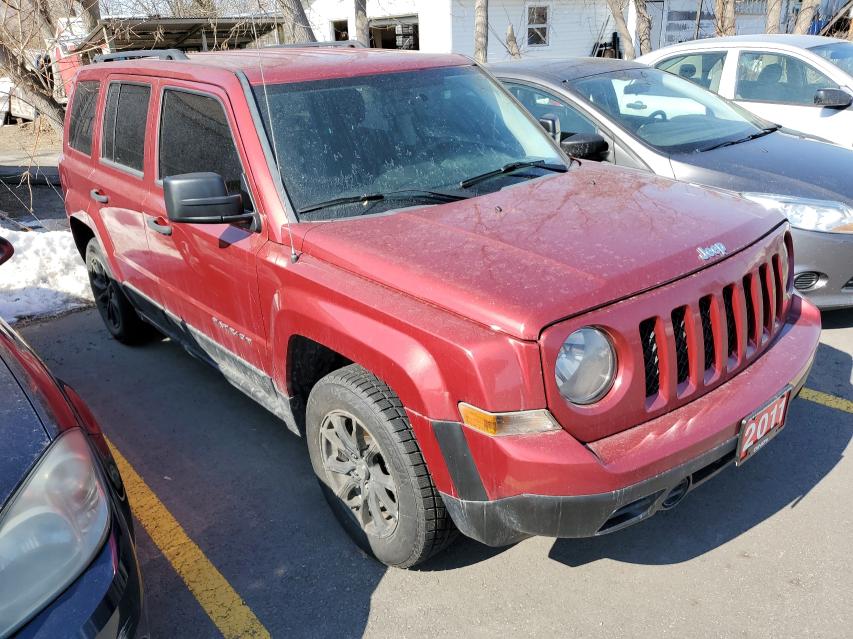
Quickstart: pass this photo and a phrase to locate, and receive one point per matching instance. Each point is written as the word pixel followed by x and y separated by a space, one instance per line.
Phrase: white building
pixel 558 27
pixel 543 28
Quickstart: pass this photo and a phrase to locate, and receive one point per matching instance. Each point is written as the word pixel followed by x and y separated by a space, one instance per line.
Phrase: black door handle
pixel 163 229
pixel 98 196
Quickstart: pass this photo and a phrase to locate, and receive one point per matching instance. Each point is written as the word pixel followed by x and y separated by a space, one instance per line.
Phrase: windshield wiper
pixel 509 168
pixel 753 136
pixel 413 194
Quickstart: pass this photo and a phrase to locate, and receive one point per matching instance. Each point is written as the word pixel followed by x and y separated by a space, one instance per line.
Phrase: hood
pixel 542 250
pixel 22 437
pixel 779 163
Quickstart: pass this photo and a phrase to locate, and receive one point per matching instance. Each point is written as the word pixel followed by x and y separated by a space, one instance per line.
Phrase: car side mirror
pixel 551 124
pixel 201 198
pixel 586 146
pixel 6 250
pixel 833 98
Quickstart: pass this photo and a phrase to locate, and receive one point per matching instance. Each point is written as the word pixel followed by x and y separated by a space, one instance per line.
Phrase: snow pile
pixel 44 277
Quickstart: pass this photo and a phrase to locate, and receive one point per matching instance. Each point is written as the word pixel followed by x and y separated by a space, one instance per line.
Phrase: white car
pixel 801 82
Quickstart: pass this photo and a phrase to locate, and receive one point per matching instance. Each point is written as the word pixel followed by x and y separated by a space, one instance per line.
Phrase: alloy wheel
pixel 358 474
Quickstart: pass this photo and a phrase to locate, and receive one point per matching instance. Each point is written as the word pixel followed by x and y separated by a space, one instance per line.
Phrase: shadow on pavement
pixel 810 446
pixel 239 483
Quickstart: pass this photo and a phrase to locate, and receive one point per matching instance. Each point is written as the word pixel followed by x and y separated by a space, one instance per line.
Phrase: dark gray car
pixel 635 116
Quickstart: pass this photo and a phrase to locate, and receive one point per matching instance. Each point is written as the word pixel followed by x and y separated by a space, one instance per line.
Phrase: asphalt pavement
pixel 764 550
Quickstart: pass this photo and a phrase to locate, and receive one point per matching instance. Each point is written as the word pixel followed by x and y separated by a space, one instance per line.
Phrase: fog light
pixel 806 280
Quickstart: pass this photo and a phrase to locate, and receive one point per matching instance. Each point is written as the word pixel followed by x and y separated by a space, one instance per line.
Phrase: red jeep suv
pixel 471 330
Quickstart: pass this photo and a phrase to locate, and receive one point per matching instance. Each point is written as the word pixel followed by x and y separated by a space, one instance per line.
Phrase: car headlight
pixel 810 215
pixel 50 530
pixel 586 366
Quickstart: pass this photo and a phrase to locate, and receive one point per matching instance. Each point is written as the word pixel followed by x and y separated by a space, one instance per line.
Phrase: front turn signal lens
pixel 522 422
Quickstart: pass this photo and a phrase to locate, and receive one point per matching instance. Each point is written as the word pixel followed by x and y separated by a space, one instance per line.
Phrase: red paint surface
pixel 466 301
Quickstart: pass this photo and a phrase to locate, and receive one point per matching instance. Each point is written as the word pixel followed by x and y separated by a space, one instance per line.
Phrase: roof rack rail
pixel 350 44
pixel 161 54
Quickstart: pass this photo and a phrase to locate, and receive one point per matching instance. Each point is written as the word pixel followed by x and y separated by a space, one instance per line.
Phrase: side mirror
pixel 6 250
pixel 201 198
pixel 586 146
pixel 833 98
pixel 551 124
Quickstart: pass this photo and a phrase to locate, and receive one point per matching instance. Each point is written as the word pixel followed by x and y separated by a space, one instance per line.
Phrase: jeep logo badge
pixel 715 250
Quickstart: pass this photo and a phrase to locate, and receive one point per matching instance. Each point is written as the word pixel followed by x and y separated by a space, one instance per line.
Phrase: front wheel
pixel 371 469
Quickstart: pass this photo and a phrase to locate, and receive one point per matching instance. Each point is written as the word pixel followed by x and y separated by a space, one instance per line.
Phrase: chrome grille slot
pixel 707 332
pixel 682 357
pixel 650 356
pixel 731 324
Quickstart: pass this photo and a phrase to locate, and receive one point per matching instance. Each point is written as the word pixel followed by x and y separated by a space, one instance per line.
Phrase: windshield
pixel 666 112
pixel 839 53
pixel 428 130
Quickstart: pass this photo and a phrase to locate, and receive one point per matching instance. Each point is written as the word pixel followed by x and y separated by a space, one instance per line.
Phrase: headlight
pixel 50 530
pixel 811 215
pixel 586 366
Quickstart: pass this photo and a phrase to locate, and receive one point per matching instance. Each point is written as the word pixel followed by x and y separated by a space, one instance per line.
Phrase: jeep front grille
pixel 717 333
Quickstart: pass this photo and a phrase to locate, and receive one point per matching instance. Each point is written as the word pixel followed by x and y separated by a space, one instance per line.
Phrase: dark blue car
pixel 68 564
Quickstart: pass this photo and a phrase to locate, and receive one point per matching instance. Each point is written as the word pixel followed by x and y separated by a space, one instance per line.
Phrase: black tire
pixel 120 318
pixel 368 411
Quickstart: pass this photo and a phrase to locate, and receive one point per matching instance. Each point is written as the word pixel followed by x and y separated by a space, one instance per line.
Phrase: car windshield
pixel 839 53
pixel 412 135
pixel 667 112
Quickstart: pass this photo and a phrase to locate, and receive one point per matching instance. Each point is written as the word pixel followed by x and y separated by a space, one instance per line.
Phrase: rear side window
pixel 124 124
pixel 704 69
pixel 195 137
pixel 83 116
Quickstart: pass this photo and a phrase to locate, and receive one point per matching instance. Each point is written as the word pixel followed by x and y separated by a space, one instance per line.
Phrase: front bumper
pixel 509 488
pixel 104 602
pixel 831 256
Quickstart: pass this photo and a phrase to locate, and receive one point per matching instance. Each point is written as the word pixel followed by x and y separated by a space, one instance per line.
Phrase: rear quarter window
pixel 82 121
pixel 125 118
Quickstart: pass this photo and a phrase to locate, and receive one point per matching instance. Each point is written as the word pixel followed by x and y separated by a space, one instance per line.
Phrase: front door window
pixel 778 78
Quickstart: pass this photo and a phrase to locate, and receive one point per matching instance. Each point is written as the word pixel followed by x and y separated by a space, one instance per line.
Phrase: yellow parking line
pixel 220 601
pixel 825 399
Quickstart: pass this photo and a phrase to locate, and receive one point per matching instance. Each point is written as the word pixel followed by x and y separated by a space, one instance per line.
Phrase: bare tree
pixel 34 92
pixel 617 9
pixel 806 15
pixel 26 25
pixel 850 30
pixel 512 42
pixel 296 26
pixel 362 32
pixel 724 17
pixel 774 16
pixel 481 30
pixel 644 27
pixel 89 11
